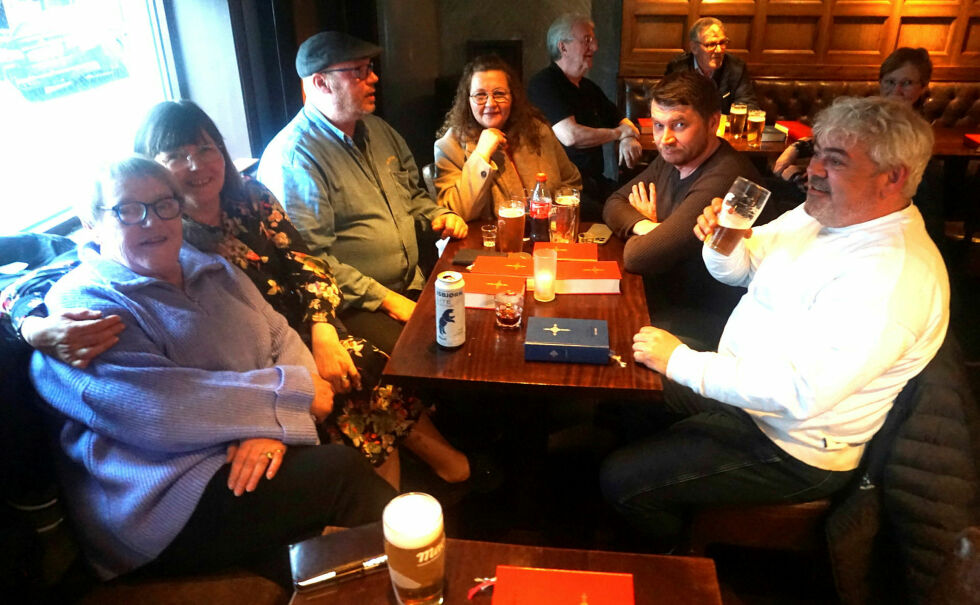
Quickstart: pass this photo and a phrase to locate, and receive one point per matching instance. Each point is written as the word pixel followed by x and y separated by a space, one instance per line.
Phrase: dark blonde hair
pixel 520 126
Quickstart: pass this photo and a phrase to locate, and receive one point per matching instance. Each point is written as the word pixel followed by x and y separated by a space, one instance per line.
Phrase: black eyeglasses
pixel 361 72
pixel 499 96
pixel 710 46
pixel 134 213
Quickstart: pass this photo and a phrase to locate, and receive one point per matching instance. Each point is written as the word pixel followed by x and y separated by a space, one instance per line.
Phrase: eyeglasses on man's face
pixel 498 95
pixel 134 213
pixel 361 72
pixel 585 40
pixel 712 46
pixel 180 159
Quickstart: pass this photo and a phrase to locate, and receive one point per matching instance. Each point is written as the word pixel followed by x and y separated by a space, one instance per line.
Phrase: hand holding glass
pixel 742 205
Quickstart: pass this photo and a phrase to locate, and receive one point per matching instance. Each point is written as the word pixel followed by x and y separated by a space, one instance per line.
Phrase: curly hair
pixel 520 127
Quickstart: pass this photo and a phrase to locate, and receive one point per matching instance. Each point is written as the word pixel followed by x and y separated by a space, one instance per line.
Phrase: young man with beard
pixel 847 300
pixel 656 211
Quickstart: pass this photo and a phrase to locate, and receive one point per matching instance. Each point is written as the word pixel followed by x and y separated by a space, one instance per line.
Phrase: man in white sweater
pixel 847 300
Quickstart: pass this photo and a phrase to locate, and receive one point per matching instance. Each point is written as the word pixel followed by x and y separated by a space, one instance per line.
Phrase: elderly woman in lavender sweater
pixel 192 443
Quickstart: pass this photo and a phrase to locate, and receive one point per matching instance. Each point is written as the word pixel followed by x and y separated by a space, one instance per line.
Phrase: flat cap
pixel 324 49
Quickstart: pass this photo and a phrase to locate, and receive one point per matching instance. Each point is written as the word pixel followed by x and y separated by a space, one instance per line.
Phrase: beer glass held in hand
pixel 742 205
pixel 736 119
pixel 416 547
pixel 510 226
pixel 563 217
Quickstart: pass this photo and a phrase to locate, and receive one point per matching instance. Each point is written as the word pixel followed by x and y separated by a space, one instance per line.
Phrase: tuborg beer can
pixel 450 310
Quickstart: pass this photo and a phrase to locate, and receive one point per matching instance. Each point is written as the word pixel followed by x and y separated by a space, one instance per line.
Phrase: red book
pixel 644 124
pixel 479 288
pixel 571 251
pixel 794 130
pixel 535 586
pixel 588 277
pixel 971 140
pixel 521 266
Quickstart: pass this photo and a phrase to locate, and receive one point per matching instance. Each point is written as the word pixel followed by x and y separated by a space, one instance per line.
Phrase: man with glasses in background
pixel 708 43
pixel 351 187
pixel 581 115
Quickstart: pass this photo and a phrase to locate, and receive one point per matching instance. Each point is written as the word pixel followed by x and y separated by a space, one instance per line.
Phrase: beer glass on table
pixel 739 113
pixel 753 128
pixel 510 225
pixel 742 205
pixel 416 547
pixel 563 216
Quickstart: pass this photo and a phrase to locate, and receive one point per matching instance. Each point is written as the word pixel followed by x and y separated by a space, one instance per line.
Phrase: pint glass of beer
pixel 510 226
pixel 755 126
pixel 563 216
pixel 742 205
pixel 737 117
pixel 416 547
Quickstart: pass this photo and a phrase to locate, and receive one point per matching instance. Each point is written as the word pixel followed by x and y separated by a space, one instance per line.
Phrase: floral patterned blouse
pixel 256 235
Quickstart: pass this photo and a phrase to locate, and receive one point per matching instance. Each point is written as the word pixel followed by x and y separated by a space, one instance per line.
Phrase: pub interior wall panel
pixel 809 39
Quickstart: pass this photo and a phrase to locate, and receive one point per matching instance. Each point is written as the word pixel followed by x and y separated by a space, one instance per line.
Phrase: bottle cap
pixel 541 177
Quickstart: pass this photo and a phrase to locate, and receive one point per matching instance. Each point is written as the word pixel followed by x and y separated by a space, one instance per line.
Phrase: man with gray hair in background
pixel 848 299
pixel 708 42
pixel 581 115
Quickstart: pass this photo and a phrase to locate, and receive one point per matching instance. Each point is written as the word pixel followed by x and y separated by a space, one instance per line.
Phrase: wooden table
pixel 656 579
pixel 495 357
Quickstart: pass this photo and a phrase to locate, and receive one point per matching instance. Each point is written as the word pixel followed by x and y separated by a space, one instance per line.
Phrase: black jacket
pixel 732 80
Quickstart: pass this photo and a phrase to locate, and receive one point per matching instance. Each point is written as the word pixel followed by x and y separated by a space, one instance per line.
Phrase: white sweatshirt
pixel 834 323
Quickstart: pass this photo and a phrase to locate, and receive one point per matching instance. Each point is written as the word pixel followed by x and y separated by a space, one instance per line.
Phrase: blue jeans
pixel 714 455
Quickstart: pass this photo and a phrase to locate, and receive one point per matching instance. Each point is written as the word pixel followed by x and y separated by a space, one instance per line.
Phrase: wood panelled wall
pixel 809 39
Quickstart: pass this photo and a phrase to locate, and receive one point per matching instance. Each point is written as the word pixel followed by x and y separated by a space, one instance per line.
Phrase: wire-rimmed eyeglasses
pixel 361 72
pixel 712 46
pixel 499 96
pixel 181 158
pixel 134 213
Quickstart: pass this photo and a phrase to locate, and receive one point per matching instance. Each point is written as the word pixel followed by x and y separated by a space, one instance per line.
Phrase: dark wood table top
pixel 656 579
pixel 949 143
pixel 494 356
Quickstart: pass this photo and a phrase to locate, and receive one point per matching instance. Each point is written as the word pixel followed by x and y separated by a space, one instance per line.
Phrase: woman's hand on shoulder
pixel 251 459
pixel 490 140
pixel 75 336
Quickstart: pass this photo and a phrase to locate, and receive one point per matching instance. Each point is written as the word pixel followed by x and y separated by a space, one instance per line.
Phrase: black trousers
pixel 376 326
pixel 315 486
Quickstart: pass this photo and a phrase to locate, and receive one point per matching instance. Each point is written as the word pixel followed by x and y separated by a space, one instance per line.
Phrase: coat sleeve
pixel 463 181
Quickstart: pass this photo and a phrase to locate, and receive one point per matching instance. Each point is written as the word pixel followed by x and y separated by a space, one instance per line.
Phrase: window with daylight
pixel 76 77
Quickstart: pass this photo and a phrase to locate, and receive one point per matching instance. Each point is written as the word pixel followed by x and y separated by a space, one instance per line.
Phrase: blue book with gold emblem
pixel 567 340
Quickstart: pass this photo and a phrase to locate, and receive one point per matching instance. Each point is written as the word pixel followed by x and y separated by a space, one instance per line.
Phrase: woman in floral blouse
pixel 241 220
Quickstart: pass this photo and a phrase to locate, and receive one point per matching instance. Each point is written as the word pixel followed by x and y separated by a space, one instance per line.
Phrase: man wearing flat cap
pixel 351 186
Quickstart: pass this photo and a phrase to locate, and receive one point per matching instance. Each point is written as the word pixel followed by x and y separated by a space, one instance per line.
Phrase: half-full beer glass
pixel 736 119
pixel 416 547
pixel 742 205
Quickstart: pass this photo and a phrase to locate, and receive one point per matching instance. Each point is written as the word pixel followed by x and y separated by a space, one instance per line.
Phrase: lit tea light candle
pixel 545 267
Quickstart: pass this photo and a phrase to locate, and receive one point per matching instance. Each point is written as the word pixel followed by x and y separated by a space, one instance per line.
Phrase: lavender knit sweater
pixel 145 427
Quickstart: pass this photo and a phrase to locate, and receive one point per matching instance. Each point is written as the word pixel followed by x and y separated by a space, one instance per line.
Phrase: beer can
pixel 450 310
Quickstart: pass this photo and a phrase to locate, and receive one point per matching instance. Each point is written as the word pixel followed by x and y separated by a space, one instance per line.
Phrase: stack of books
pixel 578 271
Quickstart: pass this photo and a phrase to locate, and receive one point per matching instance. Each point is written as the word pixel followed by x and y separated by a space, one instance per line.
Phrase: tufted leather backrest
pixel 955 104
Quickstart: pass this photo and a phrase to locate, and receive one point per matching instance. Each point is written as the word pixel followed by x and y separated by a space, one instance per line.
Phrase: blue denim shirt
pixel 354 199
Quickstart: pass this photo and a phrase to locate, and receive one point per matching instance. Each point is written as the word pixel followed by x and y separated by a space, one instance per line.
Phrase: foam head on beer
pixel 412 520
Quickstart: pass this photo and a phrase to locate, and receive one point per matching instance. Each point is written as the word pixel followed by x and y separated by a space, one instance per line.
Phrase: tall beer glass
pixel 416 547
pixel 739 112
pixel 510 226
pixel 742 205
pixel 564 215
pixel 755 126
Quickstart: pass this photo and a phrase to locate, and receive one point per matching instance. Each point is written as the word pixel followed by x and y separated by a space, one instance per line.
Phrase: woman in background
pixel 494 142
